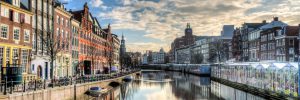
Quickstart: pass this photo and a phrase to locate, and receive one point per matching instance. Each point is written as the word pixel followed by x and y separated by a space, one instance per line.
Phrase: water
pixel 161 85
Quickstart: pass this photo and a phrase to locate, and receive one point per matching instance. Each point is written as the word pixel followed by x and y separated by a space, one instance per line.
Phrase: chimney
pixel 276 19
pixel 264 21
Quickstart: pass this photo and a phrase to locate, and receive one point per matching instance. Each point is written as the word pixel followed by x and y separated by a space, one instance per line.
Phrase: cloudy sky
pixel 152 24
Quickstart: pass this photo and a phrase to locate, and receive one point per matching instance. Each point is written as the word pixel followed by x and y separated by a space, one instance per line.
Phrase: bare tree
pixel 53 45
pixel 93 52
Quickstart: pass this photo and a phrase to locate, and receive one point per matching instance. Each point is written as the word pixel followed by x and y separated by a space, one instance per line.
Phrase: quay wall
pixel 70 92
pixel 197 69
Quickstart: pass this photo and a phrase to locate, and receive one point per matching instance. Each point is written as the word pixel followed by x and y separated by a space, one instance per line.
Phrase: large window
pixel 15 55
pixel 26 35
pixel 27 19
pixel 7 53
pixel 24 60
pixel 16 34
pixel 4 12
pixel 16 17
pixel 4 31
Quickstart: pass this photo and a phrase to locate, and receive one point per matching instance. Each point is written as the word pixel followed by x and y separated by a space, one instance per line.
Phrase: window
pixel 34 41
pixel 24 60
pixel 291 50
pixel 15 55
pixel 291 42
pixel 4 31
pixel 39 43
pixel 50 10
pixel 16 3
pixel 26 35
pixel 62 33
pixel 62 21
pixel 16 17
pixel 45 24
pixel 57 19
pixel 16 34
pixel 67 23
pixel 39 3
pixel 27 19
pixel 39 22
pixel 4 12
pixel 45 7
pixel 34 21
pixel 33 3
pixel 1 56
pixel 57 32
pixel 7 53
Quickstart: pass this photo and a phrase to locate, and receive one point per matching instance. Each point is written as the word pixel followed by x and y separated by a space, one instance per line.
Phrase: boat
pixel 127 78
pixel 96 91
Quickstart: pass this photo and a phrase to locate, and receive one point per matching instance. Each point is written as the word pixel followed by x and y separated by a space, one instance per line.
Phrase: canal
pixel 161 85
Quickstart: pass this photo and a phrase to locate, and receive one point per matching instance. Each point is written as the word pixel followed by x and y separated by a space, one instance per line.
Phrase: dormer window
pixel 16 3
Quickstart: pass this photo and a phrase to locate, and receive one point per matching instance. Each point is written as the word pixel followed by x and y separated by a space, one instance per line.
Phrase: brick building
pixel 62 34
pixel 186 40
pixel 94 43
pixel 75 44
pixel 15 34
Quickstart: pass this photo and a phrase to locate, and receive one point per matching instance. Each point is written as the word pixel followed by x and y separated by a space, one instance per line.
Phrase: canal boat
pixel 127 78
pixel 96 91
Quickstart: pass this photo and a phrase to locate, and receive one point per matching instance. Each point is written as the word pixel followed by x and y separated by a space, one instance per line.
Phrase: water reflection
pixel 160 85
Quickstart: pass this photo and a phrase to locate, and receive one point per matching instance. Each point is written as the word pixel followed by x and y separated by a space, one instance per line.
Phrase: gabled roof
pixel 77 15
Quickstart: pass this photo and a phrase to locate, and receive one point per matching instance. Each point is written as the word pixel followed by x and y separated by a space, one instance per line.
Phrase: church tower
pixel 123 47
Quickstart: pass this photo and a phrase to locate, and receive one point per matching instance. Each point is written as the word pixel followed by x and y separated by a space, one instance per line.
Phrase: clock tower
pixel 188 30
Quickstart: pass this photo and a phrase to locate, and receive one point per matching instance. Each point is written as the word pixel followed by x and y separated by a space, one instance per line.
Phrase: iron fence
pixel 7 86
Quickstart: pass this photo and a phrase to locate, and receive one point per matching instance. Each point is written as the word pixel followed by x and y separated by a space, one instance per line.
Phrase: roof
pixel 274 24
pixel 77 15
pixel 254 25
pixel 291 30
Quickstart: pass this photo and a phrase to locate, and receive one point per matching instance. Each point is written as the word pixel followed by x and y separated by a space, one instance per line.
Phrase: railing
pixel 7 86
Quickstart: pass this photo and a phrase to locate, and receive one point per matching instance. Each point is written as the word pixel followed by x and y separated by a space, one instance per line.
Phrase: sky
pixel 154 24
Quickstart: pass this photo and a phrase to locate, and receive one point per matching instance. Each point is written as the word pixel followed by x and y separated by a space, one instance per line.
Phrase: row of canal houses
pixel 265 56
pixel 82 46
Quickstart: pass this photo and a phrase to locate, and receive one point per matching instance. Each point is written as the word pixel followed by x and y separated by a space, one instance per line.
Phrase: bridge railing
pixel 7 86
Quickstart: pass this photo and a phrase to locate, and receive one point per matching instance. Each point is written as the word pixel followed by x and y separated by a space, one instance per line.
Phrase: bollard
pixel 35 85
pixel 24 86
pixel 11 86
pixel 5 85
pixel 44 83
pixel 71 81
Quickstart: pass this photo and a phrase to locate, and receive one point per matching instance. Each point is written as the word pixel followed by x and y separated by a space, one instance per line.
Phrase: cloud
pixel 96 3
pixel 166 19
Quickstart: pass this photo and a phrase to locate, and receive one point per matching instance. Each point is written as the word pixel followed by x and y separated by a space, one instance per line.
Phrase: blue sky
pixel 152 24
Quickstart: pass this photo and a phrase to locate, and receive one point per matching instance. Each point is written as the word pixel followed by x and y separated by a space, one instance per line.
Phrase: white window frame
pixel 7 31
pixel 14 34
pixel 26 35
pixel 16 17
pixel 4 12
